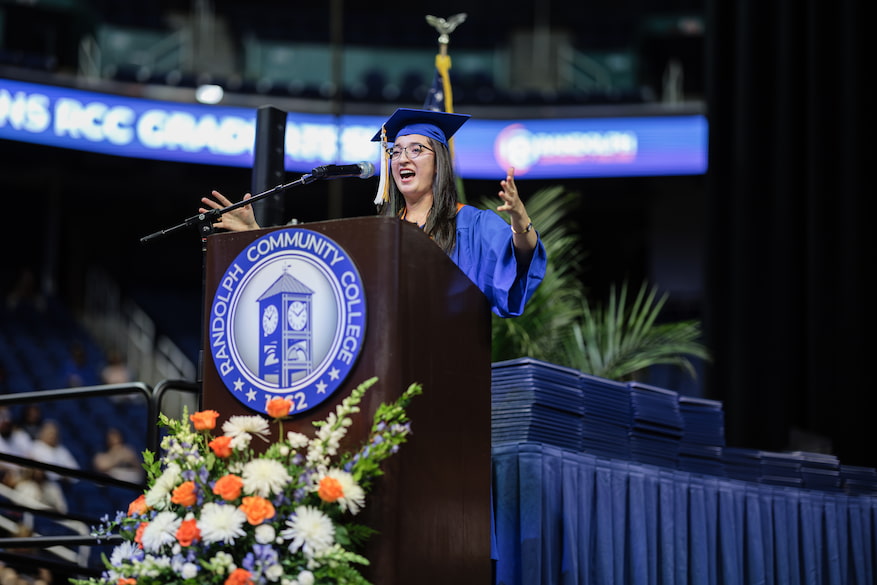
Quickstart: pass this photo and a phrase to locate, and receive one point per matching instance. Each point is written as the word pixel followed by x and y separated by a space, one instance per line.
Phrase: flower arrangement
pixel 217 512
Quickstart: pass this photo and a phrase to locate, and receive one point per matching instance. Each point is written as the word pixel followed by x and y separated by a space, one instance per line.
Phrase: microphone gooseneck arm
pixel 205 220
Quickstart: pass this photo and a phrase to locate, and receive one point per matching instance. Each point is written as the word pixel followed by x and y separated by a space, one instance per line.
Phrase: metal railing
pixel 116 321
pixel 579 71
pixel 89 58
pixel 65 558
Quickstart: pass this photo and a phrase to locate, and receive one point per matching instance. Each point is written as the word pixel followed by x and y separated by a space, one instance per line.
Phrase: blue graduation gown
pixel 486 254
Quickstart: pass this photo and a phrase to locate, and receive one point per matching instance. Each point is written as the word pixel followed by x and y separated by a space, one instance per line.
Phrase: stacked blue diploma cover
pixel 540 402
pixel 607 417
pixel 820 471
pixel 703 436
pixel 742 463
pixel 858 480
pixel 656 428
pixel 781 469
pixel 536 401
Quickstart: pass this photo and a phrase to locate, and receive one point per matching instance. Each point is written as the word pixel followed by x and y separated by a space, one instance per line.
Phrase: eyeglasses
pixel 412 151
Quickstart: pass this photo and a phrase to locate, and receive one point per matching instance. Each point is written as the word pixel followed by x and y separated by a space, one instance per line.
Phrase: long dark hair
pixel 441 223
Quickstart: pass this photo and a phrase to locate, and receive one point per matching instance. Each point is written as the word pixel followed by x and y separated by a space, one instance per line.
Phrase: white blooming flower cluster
pixel 242 429
pixel 159 496
pixel 218 512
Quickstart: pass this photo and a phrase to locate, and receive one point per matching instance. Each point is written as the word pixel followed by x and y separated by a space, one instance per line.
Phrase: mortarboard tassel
pixel 383 195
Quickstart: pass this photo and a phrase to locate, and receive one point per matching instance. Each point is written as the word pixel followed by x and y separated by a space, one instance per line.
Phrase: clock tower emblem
pixel 288 319
pixel 286 339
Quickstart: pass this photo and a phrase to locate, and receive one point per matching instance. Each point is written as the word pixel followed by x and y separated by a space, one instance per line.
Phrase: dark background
pixel 769 249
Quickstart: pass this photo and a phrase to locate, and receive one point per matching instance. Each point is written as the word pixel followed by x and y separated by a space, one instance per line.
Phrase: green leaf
pixel 559 325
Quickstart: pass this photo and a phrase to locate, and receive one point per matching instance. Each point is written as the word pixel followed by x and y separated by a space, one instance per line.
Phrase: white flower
pixel 241 442
pixel 264 477
pixel 265 534
pixel 123 552
pixel 221 563
pixel 330 435
pixel 305 578
pixel 160 531
pixel 296 440
pixel 316 457
pixel 183 567
pixel 354 496
pixel 153 566
pixel 274 572
pixel 309 530
pixel 159 495
pixel 221 523
pixel 189 571
pixel 326 442
pixel 238 426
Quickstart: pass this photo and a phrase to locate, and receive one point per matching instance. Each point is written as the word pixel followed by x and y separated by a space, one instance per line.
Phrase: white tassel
pixel 383 195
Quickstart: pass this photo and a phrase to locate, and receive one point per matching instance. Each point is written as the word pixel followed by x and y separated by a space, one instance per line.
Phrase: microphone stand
pixel 205 222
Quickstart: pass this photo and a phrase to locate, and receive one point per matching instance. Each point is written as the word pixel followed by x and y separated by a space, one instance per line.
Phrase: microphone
pixel 363 170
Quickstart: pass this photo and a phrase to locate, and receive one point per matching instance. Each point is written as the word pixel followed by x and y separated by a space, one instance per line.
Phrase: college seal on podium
pixel 287 320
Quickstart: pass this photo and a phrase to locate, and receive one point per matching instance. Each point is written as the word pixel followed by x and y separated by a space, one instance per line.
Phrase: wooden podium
pixel 426 323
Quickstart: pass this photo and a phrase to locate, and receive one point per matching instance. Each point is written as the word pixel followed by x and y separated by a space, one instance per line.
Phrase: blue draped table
pixel 570 518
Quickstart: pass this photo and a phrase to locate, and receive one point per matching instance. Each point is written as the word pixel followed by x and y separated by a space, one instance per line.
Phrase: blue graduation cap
pixel 437 125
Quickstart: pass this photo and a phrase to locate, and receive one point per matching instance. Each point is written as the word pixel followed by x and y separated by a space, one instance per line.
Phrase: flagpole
pixel 439 100
pixel 445 26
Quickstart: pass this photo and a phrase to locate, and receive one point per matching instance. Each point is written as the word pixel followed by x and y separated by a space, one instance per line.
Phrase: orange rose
pixel 278 407
pixel 126 581
pixel 228 487
pixel 188 532
pixel 221 446
pixel 204 420
pixel 138 536
pixel 184 494
pixel 239 577
pixel 138 506
pixel 257 509
pixel 330 489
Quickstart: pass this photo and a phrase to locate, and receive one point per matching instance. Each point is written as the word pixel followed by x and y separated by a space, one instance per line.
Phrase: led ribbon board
pixel 218 135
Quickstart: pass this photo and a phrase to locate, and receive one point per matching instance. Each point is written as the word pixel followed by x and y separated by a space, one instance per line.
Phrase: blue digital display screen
pixel 217 135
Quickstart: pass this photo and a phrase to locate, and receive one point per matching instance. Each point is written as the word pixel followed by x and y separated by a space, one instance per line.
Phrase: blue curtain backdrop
pixel 570 518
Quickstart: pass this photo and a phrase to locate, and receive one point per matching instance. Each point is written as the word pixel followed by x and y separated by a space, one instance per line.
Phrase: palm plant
pixel 560 326
pixel 620 341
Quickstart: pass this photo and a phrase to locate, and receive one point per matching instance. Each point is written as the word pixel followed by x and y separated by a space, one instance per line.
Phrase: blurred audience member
pixel 119 460
pixel 35 576
pixel 9 576
pixel 34 485
pixel 47 448
pixel 78 370
pixel 30 420
pixel 116 370
pixel 25 293
pixel 13 441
